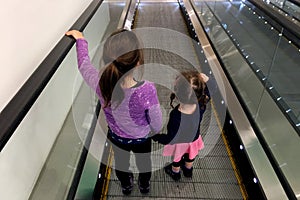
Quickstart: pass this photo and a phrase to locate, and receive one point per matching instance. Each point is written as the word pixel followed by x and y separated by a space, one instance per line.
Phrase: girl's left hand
pixel 75 34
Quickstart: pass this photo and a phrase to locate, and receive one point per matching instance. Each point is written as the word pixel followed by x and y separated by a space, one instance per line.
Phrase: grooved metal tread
pixel 213 175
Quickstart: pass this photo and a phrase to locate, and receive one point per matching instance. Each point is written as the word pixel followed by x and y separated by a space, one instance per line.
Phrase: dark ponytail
pixel 108 84
pixel 172 97
pixel 187 84
pixel 121 52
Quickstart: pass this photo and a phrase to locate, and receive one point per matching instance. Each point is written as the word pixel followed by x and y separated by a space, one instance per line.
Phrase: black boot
pixel 175 176
pixel 144 186
pixel 128 185
pixel 187 172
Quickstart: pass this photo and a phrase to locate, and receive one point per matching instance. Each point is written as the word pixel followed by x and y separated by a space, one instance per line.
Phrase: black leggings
pixel 142 152
pixel 185 158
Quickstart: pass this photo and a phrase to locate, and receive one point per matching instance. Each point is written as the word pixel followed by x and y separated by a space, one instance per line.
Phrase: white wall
pixel 29 30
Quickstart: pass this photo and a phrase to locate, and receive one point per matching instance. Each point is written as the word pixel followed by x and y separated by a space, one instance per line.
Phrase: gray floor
pixel 214 177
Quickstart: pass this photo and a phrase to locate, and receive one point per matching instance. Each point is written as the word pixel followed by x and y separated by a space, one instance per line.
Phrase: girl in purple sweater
pixel 131 107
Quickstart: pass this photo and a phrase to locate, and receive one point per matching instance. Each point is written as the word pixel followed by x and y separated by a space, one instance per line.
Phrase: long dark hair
pixel 121 52
pixel 188 85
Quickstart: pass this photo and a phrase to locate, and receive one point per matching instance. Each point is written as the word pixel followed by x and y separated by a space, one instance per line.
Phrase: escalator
pixel 238 161
pixel 214 174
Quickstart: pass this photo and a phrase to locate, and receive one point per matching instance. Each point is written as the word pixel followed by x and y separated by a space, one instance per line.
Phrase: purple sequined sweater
pixel 138 113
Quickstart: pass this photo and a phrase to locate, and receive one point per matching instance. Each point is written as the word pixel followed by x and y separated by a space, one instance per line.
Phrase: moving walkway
pixel 245 156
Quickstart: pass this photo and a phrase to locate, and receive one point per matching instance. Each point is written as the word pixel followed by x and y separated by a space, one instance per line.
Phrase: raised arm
pixel 89 73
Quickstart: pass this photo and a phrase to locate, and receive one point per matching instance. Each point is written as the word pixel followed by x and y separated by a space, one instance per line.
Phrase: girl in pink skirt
pixel 183 140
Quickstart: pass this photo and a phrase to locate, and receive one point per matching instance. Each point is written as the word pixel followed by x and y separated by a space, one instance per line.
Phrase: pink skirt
pixel 178 150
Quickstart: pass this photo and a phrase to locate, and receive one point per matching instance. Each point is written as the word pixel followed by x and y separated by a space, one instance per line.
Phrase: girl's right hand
pixel 75 34
pixel 204 77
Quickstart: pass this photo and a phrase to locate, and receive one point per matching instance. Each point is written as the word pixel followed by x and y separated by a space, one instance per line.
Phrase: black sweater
pixel 181 128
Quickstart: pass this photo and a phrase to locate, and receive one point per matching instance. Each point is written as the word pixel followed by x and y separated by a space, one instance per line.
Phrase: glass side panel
pixel 263 65
pixel 90 172
pixel 57 174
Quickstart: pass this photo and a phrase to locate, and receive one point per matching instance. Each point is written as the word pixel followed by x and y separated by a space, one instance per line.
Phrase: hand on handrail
pixel 75 34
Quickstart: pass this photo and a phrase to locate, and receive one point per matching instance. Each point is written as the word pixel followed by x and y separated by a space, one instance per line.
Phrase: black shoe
pixel 175 176
pixel 144 186
pixel 187 172
pixel 126 189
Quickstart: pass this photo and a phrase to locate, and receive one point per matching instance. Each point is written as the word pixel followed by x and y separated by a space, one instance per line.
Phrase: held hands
pixel 155 137
pixel 75 34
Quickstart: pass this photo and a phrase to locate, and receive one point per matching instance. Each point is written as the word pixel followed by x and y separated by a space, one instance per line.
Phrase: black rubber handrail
pixel 14 112
pixel 279 18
